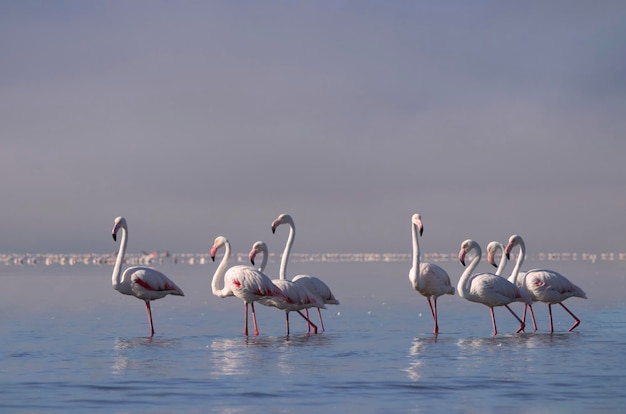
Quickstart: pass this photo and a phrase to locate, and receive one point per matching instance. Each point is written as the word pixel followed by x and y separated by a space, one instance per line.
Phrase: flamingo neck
pixel 502 263
pixel 465 281
pixel 219 273
pixel 116 278
pixel 287 251
pixel 518 263
pixel 415 268
pixel 264 261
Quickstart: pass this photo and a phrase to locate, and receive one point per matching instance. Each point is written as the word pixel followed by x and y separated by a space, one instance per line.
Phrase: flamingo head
pixel 256 248
pixel 120 222
pixel 417 221
pixel 282 219
pixel 492 249
pixel 514 240
pixel 219 242
pixel 466 246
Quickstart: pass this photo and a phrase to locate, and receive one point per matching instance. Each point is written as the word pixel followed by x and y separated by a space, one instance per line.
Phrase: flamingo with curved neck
pixel 298 297
pixel 543 285
pixel 312 283
pixel 487 288
pixel 244 282
pixel 142 282
pixel 430 280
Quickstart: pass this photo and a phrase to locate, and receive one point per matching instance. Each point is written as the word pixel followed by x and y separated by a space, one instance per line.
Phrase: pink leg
pixel 309 322
pixel 308 325
pixel 577 321
pixel 532 315
pixel 149 312
pixel 319 312
pixel 433 312
pixel 245 323
pixel 256 329
pixel 493 322
pixel 522 324
pixel 550 313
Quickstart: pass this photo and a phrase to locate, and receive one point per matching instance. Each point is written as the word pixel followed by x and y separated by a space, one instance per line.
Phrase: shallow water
pixel 72 344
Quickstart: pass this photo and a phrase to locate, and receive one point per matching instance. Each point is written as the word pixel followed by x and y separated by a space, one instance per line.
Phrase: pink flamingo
pixel 487 288
pixel 298 297
pixel 428 279
pixel 312 283
pixel 543 285
pixel 244 282
pixel 141 282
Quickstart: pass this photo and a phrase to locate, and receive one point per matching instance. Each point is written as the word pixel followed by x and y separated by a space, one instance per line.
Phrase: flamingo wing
pixel 435 280
pixel 317 286
pixel 551 287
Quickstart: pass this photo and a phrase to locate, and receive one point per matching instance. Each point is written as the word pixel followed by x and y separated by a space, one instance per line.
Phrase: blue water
pixel 70 343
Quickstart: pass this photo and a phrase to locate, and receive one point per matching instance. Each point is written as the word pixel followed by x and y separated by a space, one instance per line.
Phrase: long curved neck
pixel 287 251
pixel 463 286
pixel 502 263
pixel 415 268
pixel 116 278
pixel 519 261
pixel 264 261
pixel 219 273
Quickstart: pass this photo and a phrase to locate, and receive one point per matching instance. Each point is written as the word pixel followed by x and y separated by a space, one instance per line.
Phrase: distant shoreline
pixel 100 259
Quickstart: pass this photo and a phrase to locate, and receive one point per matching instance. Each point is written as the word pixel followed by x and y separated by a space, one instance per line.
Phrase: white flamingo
pixel 543 285
pixel 487 288
pixel 516 277
pixel 141 282
pixel 312 283
pixel 244 282
pixel 428 279
pixel 297 297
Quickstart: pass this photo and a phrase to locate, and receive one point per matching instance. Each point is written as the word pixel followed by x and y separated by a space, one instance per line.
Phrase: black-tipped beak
pixel 252 261
pixel 462 262
pixel 114 237
pixel 273 230
pixel 507 257
pixel 494 265
pixel 212 258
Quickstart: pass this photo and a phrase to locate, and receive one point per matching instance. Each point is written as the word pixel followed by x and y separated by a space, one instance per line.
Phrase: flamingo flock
pixel 304 292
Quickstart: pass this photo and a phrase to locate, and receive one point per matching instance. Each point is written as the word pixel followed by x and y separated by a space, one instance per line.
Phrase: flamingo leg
pixel 309 321
pixel 256 329
pixel 245 324
pixel 149 312
pixel 308 325
pixel 532 315
pixel 522 324
pixel 287 321
pixel 577 321
pixel 319 312
pixel 550 314
pixel 493 322
pixel 433 311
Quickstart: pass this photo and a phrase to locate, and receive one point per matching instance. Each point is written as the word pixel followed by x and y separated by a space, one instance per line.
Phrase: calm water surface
pixel 70 343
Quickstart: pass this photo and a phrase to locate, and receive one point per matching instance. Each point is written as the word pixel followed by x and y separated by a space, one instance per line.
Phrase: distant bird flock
pixel 304 292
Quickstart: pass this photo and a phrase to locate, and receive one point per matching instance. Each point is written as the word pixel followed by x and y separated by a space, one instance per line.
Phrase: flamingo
pixel 516 277
pixel 312 283
pixel 432 280
pixel 543 285
pixel 141 282
pixel 487 288
pixel 297 297
pixel 244 282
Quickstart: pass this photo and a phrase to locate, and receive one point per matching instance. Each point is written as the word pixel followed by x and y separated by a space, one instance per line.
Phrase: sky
pixel 195 119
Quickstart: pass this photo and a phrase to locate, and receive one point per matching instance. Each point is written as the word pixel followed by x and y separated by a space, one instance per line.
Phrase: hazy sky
pixel 195 119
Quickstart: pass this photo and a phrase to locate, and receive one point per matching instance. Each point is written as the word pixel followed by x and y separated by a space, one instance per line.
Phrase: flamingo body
pixel 142 282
